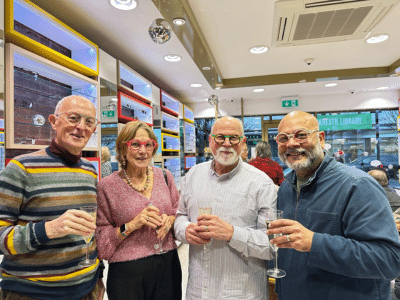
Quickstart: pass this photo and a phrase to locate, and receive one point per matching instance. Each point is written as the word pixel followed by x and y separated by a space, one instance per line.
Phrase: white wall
pixel 312 103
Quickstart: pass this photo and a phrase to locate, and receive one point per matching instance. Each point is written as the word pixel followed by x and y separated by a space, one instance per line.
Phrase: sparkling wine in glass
pixel 206 210
pixel 269 217
pixel 159 245
pixel 91 210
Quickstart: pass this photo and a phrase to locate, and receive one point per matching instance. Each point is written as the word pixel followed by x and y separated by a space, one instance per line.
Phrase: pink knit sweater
pixel 118 203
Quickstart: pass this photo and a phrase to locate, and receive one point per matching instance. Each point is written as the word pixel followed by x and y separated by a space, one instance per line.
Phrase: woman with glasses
pixel 136 213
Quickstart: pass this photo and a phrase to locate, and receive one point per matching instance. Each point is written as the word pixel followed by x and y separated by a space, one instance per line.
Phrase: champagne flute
pixel 91 210
pixel 159 245
pixel 206 210
pixel 269 217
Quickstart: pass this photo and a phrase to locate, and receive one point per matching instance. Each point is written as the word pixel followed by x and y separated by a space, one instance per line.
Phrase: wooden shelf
pixel 34 85
pixel 30 27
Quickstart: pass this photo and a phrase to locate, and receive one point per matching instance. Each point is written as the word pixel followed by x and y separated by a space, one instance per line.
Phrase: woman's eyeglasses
pixel 135 144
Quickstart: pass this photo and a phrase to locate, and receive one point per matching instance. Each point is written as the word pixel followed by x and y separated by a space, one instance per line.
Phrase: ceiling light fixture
pixel 378 38
pixel 382 88
pixel 258 49
pixel 179 21
pixel 258 90
pixel 124 4
pixel 195 85
pixel 172 57
pixel 331 84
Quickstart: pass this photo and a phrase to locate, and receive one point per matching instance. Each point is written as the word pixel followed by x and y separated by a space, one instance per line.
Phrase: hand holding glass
pixel 205 210
pixel 91 210
pixel 269 217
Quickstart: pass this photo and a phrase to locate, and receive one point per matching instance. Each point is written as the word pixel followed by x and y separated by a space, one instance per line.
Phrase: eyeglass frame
pixel 229 138
pixel 141 143
pixel 80 115
pixel 309 133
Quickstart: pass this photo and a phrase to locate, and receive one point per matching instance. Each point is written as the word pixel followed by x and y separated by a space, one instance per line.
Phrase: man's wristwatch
pixel 122 229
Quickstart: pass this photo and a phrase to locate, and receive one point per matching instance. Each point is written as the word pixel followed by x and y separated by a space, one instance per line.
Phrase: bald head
pixel 300 118
pixel 379 176
pixel 74 99
pixel 229 122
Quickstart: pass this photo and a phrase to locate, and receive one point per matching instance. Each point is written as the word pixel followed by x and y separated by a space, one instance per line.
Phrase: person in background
pixel 233 263
pixel 105 162
pixel 381 177
pixel 41 226
pixel 135 218
pixel 245 153
pixel 339 156
pixel 339 236
pixel 264 162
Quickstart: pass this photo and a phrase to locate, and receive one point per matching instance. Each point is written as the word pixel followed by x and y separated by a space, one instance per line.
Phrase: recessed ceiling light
pixel 303 81
pixel 258 90
pixel 179 21
pixel 331 84
pixel 382 88
pixel 379 38
pixel 258 49
pixel 172 57
pixel 196 85
pixel 124 4
pixel 206 99
pixel 206 68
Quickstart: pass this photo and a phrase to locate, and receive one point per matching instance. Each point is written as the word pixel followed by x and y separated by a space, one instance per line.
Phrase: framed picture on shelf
pixel 131 109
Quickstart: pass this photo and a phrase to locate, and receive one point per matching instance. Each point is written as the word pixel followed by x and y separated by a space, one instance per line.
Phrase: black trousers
pixel 157 277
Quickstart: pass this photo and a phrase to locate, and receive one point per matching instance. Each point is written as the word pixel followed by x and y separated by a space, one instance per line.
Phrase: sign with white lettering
pixel 345 122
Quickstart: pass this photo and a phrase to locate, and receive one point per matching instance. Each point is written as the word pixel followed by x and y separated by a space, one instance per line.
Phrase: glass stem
pixel 87 252
pixel 276 260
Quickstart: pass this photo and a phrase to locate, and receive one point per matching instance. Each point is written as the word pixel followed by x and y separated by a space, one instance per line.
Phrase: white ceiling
pixel 230 29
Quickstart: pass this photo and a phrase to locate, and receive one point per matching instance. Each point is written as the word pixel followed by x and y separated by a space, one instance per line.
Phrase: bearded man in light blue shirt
pixel 228 247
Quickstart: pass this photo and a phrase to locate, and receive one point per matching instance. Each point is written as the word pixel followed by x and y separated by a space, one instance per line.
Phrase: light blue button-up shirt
pixel 235 269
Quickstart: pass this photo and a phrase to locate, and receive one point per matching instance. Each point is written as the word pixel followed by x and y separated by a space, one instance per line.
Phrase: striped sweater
pixel 34 188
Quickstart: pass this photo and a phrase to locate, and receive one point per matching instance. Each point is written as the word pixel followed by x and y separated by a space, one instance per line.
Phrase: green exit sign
pixel 108 113
pixel 290 103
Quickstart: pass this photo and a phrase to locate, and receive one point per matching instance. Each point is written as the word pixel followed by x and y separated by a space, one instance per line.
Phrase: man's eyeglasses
pixel 135 144
pixel 299 136
pixel 75 118
pixel 220 138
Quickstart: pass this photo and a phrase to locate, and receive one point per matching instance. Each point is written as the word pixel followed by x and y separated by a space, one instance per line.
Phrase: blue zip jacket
pixel 356 247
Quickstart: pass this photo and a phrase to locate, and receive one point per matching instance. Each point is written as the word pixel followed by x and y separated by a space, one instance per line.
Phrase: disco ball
pixel 213 100
pixel 160 31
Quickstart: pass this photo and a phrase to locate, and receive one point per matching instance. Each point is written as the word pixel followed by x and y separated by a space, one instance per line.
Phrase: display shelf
pixel 30 27
pixel 34 86
pixel 169 123
pixel 190 161
pixel 170 142
pixel 188 114
pixel 96 164
pixel 189 137
pixel 173 164
pixel 131 109
pixel 169 104
pixel 134 84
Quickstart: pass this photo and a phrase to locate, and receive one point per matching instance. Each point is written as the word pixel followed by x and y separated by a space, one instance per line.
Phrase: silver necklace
pixel 134 187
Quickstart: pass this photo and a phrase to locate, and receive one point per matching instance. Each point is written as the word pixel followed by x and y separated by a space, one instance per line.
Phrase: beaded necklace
pixel 135 188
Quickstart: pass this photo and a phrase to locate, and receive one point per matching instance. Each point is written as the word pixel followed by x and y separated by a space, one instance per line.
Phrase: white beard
pixel 226 160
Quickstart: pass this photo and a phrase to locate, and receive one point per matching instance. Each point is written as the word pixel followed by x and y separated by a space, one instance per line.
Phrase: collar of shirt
pixel 226 176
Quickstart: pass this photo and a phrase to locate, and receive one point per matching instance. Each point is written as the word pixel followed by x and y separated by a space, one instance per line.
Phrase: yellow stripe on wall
pixel 59 170
pixel 59 278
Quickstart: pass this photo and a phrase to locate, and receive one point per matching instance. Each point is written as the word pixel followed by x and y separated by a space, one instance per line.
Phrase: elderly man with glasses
pixel 41 222
pixel 228 245
pixel 339 236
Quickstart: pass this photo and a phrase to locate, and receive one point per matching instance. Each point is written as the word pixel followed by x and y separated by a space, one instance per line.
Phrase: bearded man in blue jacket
pixel 339 236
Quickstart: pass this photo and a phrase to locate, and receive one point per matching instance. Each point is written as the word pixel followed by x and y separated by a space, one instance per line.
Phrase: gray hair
pixel 380 176
pixel 60 103
pixel 263 149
